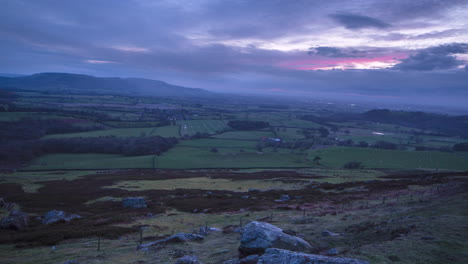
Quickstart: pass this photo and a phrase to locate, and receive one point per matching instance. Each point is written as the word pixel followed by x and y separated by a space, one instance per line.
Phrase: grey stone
pixel 134 202
pixel 57 216
pixel 281 256
pixel 15 220
pixel 71 262
pixel 189 260
pixel 259 236
pixel 326 233
pixel 177 238
pixel 284 198
pixel 332 252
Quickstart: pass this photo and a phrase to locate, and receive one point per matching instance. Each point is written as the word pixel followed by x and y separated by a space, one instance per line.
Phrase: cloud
pixel 435 58
pixel 353 22
pixel 99 61
pixel 335 52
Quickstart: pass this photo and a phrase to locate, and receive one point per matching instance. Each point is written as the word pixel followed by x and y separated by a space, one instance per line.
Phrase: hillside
pixel 79 83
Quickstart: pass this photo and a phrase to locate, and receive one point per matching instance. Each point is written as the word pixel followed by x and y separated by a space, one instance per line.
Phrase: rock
pixel 259 236
pixel 232 229
pixel 281 256
pixel 15 220
pixel 332 252
pixel 284 198
pixel 57 216
pixel 254 190
pixel 189 260
pixel 252 259
pixel 177 238
pixel 326 233
pixel 71 262
pixel 204 230
pixel 134 202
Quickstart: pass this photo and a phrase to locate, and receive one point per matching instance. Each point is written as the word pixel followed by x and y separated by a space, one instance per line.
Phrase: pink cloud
pixel 325 63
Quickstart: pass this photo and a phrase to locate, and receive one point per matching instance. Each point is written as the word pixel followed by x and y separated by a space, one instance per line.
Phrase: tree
pixel 316 159
pixel 353 165
pixel 323 132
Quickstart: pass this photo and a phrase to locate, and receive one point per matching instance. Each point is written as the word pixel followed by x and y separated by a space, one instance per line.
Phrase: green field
pixel 17 116
pixel 218 143
pixel 289 133
pixel 336 157
pixel 165 131
pixel 244 135
pixel 189 157
pixel 191 127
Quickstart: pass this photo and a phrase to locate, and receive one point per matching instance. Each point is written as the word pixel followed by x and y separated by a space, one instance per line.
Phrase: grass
pixel 190 157
pixel 31 181
pixel 336 157
pixel 191 127
pixel 244 135
pixel 204 183
pixel 166 131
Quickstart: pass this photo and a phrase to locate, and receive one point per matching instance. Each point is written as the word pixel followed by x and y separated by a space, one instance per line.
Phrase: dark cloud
pixel 335 52
pixel 352 21
pixel 434 58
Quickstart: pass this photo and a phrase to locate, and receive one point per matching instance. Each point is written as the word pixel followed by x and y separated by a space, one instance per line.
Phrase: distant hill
pixel 79 83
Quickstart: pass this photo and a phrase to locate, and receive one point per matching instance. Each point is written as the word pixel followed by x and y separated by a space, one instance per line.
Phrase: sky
pixel 396 50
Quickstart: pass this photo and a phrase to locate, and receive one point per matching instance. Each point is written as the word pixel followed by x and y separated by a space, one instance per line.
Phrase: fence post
pixel 99 244
pixel 141 236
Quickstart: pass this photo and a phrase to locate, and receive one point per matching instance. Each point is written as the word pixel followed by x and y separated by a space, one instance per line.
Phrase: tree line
pixel 16 152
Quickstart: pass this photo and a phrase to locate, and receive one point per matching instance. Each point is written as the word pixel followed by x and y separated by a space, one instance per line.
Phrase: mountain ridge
pixel 82 83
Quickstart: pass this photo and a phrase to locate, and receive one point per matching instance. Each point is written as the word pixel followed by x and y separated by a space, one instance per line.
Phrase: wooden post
pixel 240 221
pixel 99 243
pixel 141 236
pixel 271 217
pixel 383 200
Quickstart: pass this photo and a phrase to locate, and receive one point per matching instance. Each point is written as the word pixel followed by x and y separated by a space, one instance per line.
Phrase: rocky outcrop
pixel 281 256
pixel 177 238
pixel 259 236
pixel 189 260
pixel 58 216
pixel 134 202
pixel 15 220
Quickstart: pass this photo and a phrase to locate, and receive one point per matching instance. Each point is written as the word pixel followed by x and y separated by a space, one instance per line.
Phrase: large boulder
pixel 281 256
pixel 190 259
pixel 15 220
pixel 259 236
pixel 134 202
pixel 58 216
pixel 177 238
